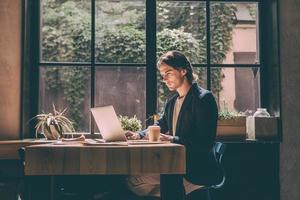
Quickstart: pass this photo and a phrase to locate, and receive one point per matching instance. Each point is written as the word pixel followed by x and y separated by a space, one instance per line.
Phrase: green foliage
pixel 66 37
pixel 184 16
pixel 168 39
pixel 66 32
pixel 116 15
pixel 130 124
pixel 120 38
pixel 73 83
pixel 176 40
pixel 227 114
pixel 252 10
pixel 126 45
pixel 222 24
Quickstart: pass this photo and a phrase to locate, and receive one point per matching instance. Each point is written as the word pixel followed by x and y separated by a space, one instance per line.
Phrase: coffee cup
pixel 153 133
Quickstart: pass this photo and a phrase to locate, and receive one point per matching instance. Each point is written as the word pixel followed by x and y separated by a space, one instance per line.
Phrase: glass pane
pixel 124 88
pixel 66 31
pixel 201 72
pixel 67 87
pixel 163 93
pixel 120 31
pixel 236 89
pixel 181 26
pixel 234 33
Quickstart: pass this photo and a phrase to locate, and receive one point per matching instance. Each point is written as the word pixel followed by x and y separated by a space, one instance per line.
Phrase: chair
pixel 218 151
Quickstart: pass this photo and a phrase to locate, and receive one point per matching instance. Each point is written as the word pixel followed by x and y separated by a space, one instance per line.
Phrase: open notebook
pixel 111 129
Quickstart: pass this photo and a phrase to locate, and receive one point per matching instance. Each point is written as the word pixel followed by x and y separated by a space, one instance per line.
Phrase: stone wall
pixel 289 17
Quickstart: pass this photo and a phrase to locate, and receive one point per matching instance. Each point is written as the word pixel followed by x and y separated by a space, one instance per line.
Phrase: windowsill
pixel 249 130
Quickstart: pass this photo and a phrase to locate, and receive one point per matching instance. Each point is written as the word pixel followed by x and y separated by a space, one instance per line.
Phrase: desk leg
pixel 171 187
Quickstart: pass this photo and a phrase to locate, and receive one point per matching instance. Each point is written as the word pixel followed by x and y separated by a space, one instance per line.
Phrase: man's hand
pixel 164 137
pixel 130 135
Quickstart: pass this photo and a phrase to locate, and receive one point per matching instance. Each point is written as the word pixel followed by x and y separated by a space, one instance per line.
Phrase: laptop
pixel 110 126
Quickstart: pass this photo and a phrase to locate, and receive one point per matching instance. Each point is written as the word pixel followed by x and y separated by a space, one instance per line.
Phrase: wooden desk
pixel 79 159
pixel 9 148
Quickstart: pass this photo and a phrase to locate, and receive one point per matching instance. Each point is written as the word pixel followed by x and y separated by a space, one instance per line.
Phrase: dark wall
pixel 289 16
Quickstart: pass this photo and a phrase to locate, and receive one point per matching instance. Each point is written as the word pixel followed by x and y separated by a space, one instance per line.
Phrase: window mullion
pixel 93 24
pixel 208 55
pixel 151 79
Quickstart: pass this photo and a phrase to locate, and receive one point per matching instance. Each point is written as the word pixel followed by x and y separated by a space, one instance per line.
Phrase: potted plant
pixel 231 124
pixel 130 124
pixel 53 125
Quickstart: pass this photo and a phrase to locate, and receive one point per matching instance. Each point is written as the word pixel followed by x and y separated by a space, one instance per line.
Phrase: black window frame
pixel 268 56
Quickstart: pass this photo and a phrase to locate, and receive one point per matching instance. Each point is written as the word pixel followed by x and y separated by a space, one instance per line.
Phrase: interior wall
pixel 289 17
pixel 10 68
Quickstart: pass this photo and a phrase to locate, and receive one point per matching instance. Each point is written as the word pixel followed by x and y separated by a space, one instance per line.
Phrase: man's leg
pixel 171 187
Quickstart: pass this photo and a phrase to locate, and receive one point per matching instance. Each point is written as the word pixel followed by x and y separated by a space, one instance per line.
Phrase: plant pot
pixel 51 133
pixel 232 128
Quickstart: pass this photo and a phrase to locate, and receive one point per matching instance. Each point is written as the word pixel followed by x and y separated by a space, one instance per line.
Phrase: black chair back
pixel 219 150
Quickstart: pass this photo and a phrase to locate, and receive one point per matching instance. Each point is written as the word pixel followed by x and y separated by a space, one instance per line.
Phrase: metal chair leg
pixel 208 194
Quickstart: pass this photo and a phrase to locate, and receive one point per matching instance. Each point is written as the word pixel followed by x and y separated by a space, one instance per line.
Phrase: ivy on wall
pixel 73 83
pixel 127 45
pixel 66 36
pixel 189 19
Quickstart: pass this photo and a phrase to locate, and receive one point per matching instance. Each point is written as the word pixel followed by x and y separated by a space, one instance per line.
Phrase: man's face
pixel 173 78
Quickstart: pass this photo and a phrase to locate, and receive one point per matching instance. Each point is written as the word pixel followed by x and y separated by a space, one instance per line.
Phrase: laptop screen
pixel 108 123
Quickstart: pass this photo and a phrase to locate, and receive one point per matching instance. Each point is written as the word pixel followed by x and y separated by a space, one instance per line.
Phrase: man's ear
pixel 183 72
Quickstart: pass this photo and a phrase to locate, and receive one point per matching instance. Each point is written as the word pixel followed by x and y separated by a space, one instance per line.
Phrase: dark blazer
pixel 196 130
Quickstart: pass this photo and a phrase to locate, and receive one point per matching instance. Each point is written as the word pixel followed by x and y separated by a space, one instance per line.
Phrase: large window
pixel 103 43
pixel 100 52
pixel 222 41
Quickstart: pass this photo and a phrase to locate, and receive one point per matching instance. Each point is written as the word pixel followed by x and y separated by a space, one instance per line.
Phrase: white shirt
pixel 176 111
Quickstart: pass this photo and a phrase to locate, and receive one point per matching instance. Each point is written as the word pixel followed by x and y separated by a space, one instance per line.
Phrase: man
pixel 190 119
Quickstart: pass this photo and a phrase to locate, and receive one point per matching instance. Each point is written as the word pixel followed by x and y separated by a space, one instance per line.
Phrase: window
pixel 92 54
pixel 212 34
pixel 100 52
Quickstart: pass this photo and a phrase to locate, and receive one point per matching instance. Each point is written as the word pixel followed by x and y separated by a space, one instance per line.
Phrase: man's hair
pixel 178 61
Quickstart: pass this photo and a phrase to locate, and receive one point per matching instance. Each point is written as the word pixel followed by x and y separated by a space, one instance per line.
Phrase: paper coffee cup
pixel 153 133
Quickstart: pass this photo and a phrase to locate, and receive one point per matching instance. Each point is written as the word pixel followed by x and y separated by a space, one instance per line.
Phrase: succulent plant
pixel 53 125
